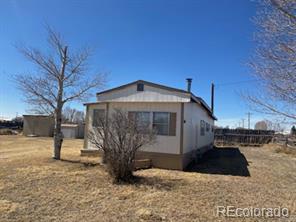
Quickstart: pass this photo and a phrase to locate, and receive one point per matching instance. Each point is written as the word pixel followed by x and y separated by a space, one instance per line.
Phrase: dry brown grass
pixel 34 187
pixel 282 149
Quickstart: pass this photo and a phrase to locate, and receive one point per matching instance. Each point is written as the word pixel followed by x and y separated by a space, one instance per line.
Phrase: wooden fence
pixel 287 141
pixel 244 137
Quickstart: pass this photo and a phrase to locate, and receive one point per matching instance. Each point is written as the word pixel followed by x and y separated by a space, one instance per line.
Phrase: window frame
pixel 140 87
pixel 202 127
pixel 207 127
pixel 95 124
pixel 136 113
pixel 161 124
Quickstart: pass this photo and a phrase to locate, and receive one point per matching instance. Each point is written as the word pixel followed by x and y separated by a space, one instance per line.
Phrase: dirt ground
pixel 34 187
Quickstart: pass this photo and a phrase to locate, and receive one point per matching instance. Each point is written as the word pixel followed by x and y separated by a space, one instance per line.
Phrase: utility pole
pixel 249 119
pixel 243 121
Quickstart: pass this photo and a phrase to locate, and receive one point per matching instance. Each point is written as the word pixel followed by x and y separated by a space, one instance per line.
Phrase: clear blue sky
pixel 159 41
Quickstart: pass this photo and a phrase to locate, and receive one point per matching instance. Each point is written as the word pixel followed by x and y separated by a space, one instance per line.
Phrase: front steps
pixel 90 153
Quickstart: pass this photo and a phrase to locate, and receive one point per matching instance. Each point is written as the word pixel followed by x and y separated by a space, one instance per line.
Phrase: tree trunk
pixel 58 136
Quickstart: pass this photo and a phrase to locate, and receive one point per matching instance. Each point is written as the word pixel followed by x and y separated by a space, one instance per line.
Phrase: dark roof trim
pixel 94 103
pixel 193 97
pixel 204 105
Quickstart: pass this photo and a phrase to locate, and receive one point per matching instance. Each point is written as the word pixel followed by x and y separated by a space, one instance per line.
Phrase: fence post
pixel 286 142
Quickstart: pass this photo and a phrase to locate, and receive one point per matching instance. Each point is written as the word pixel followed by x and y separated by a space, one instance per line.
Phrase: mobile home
pixel 183 121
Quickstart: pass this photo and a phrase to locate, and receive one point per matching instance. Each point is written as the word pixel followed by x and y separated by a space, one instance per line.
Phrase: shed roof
pixel 37 115
pixel 69 125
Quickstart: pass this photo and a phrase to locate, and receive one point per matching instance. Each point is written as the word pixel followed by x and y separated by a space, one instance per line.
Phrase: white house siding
pixel 193 114
pixel 150 94
pixel 164 144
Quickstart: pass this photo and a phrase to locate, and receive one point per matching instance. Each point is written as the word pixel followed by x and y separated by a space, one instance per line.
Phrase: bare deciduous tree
pixel 274 62
pixel 261 125
pixel 275 125
pixel 72 115
pixel 62 76
pixel 266 124
pixel 120 137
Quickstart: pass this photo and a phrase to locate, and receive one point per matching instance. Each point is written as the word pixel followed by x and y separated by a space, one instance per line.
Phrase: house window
pixel 207 127
pixel 140 87
pixel 142 118
pixel 99 117
pixel 202 128
pixel 164 123
pixel 161 123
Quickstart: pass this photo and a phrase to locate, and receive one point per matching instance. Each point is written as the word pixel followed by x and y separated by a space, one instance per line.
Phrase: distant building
pixel 73 130
pixel 38 125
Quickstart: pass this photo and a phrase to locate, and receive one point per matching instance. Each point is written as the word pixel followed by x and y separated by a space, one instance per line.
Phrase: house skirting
pixel 161 160
pixel 172 161
pixel 194 154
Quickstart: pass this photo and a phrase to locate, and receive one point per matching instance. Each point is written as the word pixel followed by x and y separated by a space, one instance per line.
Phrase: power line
pixel 239 82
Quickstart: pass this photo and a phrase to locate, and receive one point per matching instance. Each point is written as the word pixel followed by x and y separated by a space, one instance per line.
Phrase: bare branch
pixel 268 108
pixel 79 92
pixel 274 61
pixel 120 137
pixel 35 91
pixel 286 12
pixel 60 77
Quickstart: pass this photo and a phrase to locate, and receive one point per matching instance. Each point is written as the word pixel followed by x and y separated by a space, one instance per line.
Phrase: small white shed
pixel 70 130
pixel 73 130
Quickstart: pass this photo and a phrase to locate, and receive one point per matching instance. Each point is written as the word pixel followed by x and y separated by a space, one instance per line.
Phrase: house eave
pixel 190 94
pixel 146 83
pixel 204 105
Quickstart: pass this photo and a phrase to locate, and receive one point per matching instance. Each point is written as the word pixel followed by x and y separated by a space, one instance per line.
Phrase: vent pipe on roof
pixel 189 81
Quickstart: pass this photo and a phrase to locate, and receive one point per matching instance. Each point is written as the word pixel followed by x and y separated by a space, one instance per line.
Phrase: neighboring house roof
pixel 194 98
pixel 38 115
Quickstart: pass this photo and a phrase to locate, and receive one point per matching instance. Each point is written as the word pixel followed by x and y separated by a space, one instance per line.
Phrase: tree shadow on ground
pixel 225 161
pixel 153 182
pixel 86 164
